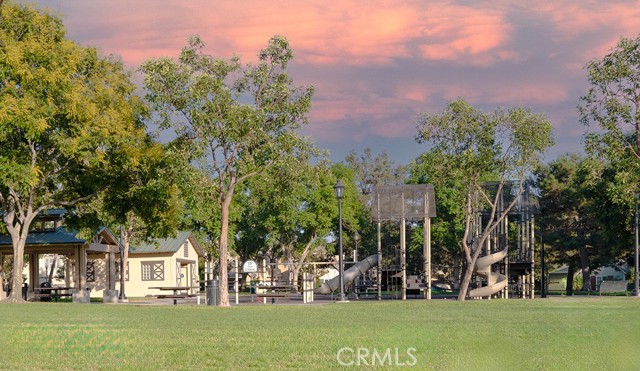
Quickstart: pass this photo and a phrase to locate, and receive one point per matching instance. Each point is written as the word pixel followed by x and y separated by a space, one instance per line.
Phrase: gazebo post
pixel 3 294
pixel 33 271
pixel 112 270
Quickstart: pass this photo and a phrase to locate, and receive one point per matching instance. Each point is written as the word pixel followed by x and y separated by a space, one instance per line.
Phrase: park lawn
pixel 554 333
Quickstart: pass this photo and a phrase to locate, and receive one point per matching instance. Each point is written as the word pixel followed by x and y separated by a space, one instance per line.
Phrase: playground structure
pixel 506 266
pixel 350 275
pixel 403 203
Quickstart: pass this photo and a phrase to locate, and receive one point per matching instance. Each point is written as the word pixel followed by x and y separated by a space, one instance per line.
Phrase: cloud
pixel 601 22
pixel 377 64
pixel 354 33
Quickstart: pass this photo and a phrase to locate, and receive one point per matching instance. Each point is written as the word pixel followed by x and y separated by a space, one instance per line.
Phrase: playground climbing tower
pixel 506 263
pixel 405 203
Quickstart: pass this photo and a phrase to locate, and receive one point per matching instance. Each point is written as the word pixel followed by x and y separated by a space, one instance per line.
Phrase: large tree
pixel 471 148
pixel 372 171
pixel 581 226
pixel 564 221
pixel 65 113
pixel 240 119
pixel 141 200
pixel 612 103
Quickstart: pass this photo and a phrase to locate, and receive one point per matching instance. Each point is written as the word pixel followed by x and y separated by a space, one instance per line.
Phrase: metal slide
pixel 349 275
pixel 496 281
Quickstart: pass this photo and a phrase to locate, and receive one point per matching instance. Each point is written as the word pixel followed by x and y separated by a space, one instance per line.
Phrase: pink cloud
pixel 609 20
pixel 354 33
pixel 523 93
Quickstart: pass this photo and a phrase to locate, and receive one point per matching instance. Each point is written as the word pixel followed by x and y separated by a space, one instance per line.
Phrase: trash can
pixel 212 292
pixel 47 285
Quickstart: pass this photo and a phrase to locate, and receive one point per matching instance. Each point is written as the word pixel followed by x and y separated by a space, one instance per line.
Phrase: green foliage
pixel 613 105
pixel 448 228
pixel 240 118
pixel 577 214
pixel 290 210
pixel 371 171
pixel 142 196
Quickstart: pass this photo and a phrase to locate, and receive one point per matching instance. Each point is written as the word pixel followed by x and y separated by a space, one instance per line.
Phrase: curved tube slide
pixel 349 275
pixel 496 281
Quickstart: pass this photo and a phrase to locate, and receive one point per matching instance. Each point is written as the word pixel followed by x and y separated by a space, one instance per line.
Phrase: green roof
pixel 167 245
pixel 61 236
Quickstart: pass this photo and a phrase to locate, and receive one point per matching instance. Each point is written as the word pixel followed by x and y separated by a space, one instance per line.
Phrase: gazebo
pixel 50 236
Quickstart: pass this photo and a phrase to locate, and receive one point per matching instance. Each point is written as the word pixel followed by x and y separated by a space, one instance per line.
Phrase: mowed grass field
pixel 553 333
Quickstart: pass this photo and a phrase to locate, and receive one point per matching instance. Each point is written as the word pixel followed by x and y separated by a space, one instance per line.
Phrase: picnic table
pixel 51 292
pixel 179 292
pixel 277 290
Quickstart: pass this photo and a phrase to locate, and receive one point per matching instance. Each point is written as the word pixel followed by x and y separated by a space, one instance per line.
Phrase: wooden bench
pixel 613 287
pixel 277 290
pixel 276 294
pixel 178 296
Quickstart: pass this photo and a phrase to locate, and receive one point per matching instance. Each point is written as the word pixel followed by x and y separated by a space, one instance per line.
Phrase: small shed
pixel 163 262
pixel 557 279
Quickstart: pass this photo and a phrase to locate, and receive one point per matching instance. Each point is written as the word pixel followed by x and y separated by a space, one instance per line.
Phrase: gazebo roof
pixel 60 236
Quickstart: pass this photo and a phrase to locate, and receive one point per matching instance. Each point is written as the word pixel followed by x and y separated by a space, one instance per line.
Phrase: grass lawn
pixel 554 333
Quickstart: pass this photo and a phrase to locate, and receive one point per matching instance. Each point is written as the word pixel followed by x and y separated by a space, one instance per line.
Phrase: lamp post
pixel 356 238
pixel 636 291
pixel 339 188
pixel 358 281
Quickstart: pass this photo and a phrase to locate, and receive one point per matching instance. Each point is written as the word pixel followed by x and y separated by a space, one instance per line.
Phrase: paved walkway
pixel 246 299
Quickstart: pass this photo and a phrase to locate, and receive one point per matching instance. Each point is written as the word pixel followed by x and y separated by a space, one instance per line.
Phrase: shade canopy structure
pixel 410 202
pixel 50 236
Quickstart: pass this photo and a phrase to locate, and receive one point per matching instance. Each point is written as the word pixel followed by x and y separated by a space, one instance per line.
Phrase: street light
pixel 358 281
pixel 636 291
pixel 339 188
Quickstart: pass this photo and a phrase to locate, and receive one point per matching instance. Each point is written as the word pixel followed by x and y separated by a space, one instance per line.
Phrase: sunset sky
pixel 377 64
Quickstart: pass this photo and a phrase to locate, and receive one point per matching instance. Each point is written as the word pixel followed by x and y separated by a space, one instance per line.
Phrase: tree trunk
pixel 53 268
pixel 474 253
pixel 19 232
pixel 584 265
pixel 456 271
pixel 297 266
pixel 570 273
pixel 18 266
pixel 466 280
pixel 224 248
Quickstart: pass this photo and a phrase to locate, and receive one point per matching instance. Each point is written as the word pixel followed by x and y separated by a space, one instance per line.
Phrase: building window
pixel 91 271
pixel 153 271
pixel 186 249
pixel 126 271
